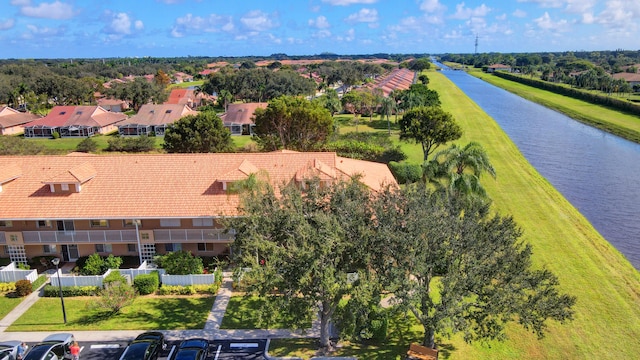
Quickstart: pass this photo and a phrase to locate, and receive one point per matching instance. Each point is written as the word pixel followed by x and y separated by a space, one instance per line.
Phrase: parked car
pixel 9 349
pixel 192 349
pixel 53 347
pixel 146 346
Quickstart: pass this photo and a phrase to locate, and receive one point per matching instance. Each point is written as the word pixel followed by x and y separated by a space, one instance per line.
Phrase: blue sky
pixel 162 28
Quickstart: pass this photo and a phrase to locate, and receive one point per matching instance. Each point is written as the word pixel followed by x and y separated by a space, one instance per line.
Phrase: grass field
pixel 7 304
pixel 616 122
pixel 242 313
pixel 146 313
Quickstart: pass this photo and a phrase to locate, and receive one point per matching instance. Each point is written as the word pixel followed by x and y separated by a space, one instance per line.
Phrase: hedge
pixel 70 291
pixel 146 283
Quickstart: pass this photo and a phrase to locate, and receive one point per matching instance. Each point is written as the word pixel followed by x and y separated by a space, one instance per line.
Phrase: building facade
pixel 142 205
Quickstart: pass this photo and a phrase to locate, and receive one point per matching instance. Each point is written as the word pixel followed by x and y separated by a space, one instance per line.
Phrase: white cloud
pixel 432 6
pixel 170 1
pixel 620 14
pixel 348 2
pixel 20 2
pixel 546 3
pixel 190 24
pixel 588 18
pixel 256 20
pixel 364 15
pixel 546 23
pixel 7 24
pixel 501 17
pixel 321 34
pixel 43 32
pixel 55 10
pixel 579 6
pixel 519 13
pixel 122 24
pixel 463 12
pixel 349 36
pixel 320 22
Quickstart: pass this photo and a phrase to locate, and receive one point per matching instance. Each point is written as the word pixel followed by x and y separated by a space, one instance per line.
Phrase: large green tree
pixel 199 133
pixel 430 127
pixel 304 247
pixel 138 92
pixel 457 268
pixel 292 123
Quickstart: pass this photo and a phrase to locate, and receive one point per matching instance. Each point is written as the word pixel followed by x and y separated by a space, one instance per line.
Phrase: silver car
pixel 9 349
pixel 53 347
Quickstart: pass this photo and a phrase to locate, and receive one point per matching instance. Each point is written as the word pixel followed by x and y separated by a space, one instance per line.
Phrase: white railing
pixel 79 236
pixel 191 235
pixel 11 273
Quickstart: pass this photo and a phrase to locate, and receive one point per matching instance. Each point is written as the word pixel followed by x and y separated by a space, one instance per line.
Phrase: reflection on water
pixel 597 172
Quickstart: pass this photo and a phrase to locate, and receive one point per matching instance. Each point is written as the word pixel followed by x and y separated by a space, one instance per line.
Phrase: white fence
pixel 186 280
pixel 11 273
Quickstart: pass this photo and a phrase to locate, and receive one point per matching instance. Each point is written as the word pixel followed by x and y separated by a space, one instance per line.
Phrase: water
pixel 597 172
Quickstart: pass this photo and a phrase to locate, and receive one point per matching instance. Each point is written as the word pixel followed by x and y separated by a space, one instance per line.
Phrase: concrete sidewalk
pixel 211 329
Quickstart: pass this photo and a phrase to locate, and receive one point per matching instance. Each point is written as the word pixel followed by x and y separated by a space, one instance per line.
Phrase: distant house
pixel 498 67
pixel 632 78
pixel 113 105
pixel 152 118
pixel 180 77
pixel 239 117
pixel 185 97
pixel 69 121
pixel 12 121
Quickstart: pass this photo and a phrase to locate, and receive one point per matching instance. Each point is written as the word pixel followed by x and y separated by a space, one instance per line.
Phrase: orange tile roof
pixel 241 113
pixel 159 114
pixel 78 116
pixel 155 185
pixel 10 117
pixel 9 172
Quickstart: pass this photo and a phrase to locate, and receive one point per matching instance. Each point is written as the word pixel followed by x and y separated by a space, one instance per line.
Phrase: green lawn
pixel 7 304
pixel 615 122
pixel 243 313
pixel 162 313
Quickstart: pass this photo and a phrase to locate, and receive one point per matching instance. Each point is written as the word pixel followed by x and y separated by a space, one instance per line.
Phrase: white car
pixel 53 347
pixel 9 349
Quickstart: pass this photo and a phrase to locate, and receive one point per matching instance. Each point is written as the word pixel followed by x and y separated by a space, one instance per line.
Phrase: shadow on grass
pixel 382 124
pixel 96 318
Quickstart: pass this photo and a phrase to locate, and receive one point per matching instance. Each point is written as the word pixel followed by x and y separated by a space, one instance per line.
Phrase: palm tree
pixel 388 106
pixel 461 168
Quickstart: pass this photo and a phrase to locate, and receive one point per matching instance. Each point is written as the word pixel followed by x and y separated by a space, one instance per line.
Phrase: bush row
pixel 360 150
pixel 70 291
pixel 597 99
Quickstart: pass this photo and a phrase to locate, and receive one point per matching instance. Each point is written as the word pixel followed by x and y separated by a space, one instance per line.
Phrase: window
pixel 49 249
pixel 144 236
pixel 202 222
pixel 44 223
pixel 99 223
pixel 64 187
pixel 6 223
pixel 170 222
pixel 172 247
pixel 13 238
pixel 103 248
pixel 132 248
pixel 205 247
pixel 131 223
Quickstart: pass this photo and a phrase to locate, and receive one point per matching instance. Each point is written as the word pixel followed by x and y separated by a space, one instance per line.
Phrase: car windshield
pixel 194 343
pixel 136 351
pixel 187 354
pixel 37 351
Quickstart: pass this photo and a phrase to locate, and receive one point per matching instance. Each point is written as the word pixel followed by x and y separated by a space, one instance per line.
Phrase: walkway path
pixel 211 329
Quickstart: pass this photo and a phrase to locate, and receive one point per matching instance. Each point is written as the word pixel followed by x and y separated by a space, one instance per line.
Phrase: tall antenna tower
pixel 476 52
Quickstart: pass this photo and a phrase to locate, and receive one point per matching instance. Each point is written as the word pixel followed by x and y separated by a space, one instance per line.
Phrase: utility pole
pixel 476 52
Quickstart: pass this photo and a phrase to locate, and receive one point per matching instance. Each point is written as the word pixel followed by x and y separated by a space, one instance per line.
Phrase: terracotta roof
pixel 10 117
pixel 156 185
pixel 629 77
pixel 241 113
pixel 242 172
pixel 79 174
pixel 398 79
pixel 159 114
pixel 182 97
pixel 9 172
pixel 94 116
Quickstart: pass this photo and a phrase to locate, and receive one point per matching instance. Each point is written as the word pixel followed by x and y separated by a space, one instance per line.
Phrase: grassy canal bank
pixel 615 122
pixel 607 287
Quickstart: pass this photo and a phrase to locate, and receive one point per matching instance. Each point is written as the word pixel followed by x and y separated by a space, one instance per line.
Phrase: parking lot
pixel 218 350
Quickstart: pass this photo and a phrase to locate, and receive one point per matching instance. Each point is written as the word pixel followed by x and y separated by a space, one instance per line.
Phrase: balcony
pixel 79 236
pixel 3 239
pixel 192 235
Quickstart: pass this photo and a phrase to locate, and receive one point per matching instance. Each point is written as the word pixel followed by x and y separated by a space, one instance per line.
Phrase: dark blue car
pixel 192 349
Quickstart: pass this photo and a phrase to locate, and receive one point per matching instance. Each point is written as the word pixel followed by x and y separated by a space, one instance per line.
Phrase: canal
pixel 597 172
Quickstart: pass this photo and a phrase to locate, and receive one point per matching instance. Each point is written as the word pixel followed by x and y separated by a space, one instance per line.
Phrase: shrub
pixel 114 298
pixel 114 278
pixel 71 291
pixel 178 290
pixel 7 287
pixel 23 287
pixel 405 173
pixel 98 265
pixel 55 135
pixel 132 144
pixel 180 263
pixel 146 283
pixel 87 145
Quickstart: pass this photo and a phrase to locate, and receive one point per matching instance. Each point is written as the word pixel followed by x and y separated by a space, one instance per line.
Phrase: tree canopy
pixel 199 133
pixel 138 92
pixel 292 123
pixel 430 127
